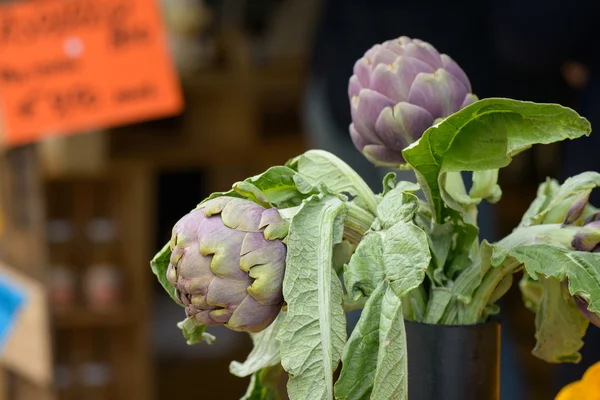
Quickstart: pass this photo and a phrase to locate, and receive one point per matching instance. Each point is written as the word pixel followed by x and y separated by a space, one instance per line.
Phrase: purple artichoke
pixel 582 305
pixel 228 262
pixel 588 239
pixel 398 90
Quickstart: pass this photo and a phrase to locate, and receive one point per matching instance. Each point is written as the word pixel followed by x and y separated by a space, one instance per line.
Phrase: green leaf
pixel 264 384
pixel 399 204
pixel 265 352
pixel 194 332
pixel 275 186
pixel 580 268
pixel 532 292
pixel 317 166
pixel 313 332
pixel 391 377
pixel 159 265
pixel 559 325
pixel 365 270
pixel 486 135
pixel 359 359
pixel 405 256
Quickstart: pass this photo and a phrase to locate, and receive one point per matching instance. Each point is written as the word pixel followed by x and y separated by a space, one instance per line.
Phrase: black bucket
pixel 453 362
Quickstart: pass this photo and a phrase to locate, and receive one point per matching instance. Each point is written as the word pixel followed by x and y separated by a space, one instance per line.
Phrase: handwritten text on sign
pixel 69 66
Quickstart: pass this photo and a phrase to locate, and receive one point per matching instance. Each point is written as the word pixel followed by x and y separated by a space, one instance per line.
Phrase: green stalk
pixel 414 304
pixel 484 292
pixel 555 234
pixel 358 221
pixel 351 305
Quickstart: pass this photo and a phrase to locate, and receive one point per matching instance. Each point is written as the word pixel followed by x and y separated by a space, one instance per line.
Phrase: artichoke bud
pixel 582 305
pixel 588 238
pixel 560 212
pixel 576 210
pixel 592 218
pixel 399 89
pixel 228 262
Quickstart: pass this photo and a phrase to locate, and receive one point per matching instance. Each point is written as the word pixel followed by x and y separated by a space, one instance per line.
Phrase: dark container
pixel 453 362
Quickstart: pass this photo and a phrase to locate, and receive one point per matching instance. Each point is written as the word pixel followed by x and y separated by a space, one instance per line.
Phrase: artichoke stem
pixel 358 221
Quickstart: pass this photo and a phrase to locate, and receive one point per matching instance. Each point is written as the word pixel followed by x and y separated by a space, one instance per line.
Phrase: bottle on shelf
pixel 94 371
pixel 61 273
pixel 102 281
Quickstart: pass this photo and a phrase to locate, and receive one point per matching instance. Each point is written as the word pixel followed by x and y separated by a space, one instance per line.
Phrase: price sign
pixel 69 66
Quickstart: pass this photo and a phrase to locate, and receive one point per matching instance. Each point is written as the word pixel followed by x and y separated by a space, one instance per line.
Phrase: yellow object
pixel 588 388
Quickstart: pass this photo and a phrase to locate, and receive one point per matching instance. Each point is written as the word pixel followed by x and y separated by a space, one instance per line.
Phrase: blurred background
pixel 263 80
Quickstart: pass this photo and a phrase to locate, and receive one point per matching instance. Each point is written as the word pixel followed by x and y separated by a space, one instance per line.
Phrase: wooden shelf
pixel 81 318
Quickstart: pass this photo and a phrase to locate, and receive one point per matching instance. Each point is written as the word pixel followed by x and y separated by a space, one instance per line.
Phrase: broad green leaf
pixel 265 352
pixel 559 325
pixel 532 292
pixel 406 256
pixel 399 204
pixel 194 332
pixel 580 268
pixel 359 359
pixel 159 266
pixel 486 135
pixel 391 377
pixel 365 270
pixel 264 384
pixel 316 166
pixel 313 332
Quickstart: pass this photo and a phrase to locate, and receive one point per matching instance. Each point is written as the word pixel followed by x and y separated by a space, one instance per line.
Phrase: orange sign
pixel 76 65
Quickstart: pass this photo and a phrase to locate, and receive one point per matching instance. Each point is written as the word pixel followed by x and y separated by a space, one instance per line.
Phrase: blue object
pixel 12 300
